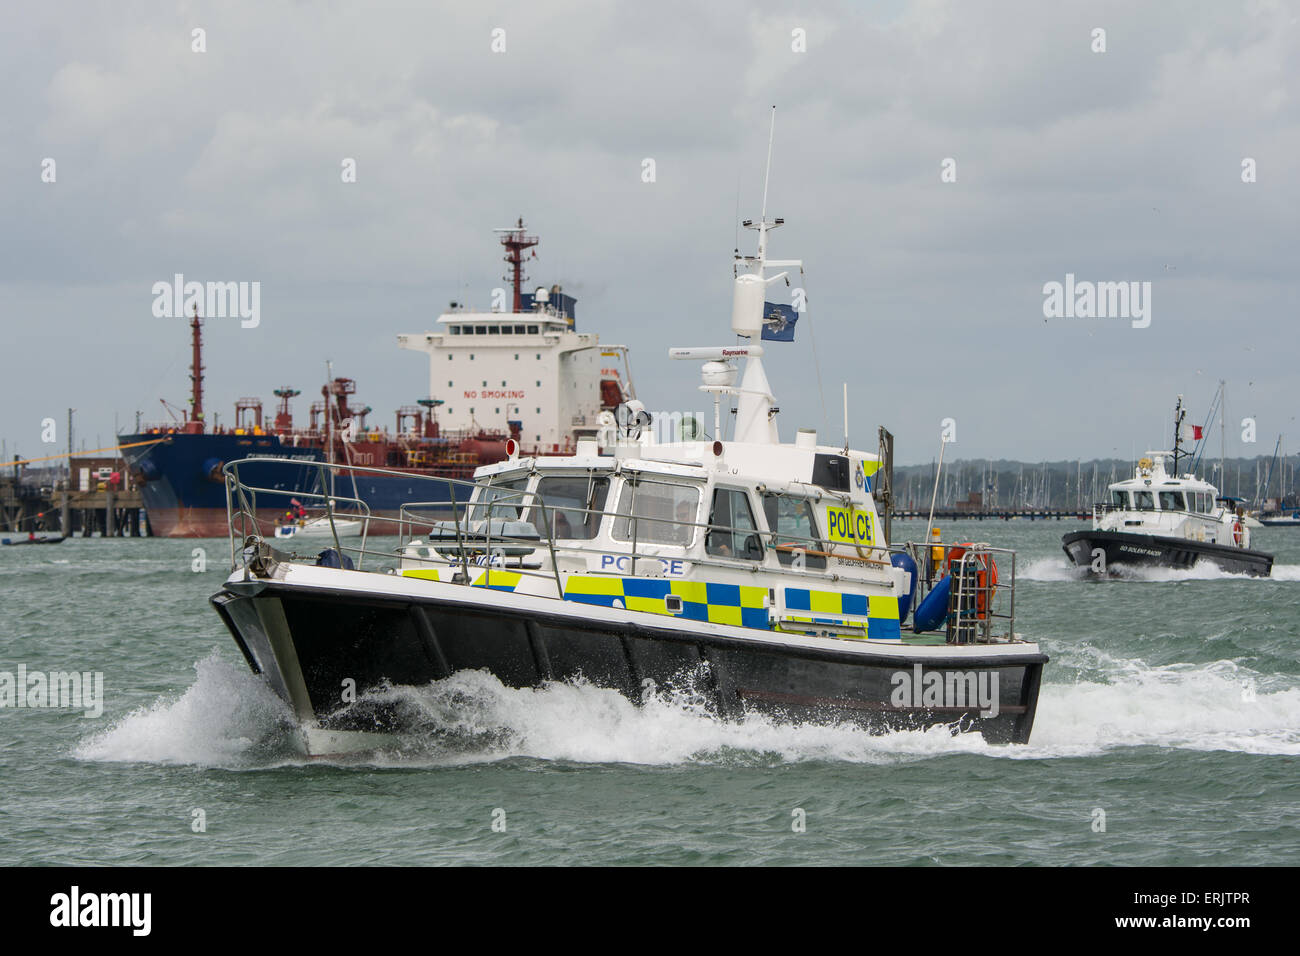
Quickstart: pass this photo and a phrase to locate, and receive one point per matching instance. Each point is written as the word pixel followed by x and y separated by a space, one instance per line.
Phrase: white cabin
pixel 1155 502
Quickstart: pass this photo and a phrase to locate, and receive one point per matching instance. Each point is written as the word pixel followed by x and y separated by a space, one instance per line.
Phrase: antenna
pixel 767 175
pixel 846 418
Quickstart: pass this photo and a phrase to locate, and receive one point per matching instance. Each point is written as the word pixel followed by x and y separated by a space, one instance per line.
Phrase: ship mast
pixel 1179 415
pixel 756 407
pixel 516 242
pixel 195 423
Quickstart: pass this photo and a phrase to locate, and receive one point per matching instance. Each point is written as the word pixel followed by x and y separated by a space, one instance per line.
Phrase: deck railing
pixel 453 529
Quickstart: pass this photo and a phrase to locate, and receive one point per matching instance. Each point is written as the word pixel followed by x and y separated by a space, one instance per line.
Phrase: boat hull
pixel 1282 521
pixel 184 491
pixel 307 642
pixel 1125 550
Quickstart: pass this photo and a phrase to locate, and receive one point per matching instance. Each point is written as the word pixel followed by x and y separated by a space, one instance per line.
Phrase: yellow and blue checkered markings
pixel 879 611
pixel 494 579
pixel 736 604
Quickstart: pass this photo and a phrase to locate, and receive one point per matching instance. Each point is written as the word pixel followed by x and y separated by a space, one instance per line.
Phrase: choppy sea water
pixel 1171 705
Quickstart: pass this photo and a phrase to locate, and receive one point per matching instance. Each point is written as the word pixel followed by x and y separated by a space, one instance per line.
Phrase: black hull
pixel 1125 550
pixel 306 643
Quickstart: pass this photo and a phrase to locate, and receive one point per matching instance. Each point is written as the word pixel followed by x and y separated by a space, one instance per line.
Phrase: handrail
pixel 469 535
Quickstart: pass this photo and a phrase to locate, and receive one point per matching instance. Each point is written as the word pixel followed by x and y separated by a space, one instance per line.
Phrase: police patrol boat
pixel 1159 518
pixel 752 574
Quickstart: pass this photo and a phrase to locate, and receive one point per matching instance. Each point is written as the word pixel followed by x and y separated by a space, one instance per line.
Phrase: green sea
pixel 1168 732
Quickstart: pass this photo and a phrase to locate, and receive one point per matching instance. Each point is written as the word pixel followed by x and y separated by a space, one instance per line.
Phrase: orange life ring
pixel 986 577
pixel 1237 533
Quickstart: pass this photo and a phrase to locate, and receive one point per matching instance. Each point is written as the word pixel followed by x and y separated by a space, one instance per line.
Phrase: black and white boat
pixel 754 574
pixel 1160 518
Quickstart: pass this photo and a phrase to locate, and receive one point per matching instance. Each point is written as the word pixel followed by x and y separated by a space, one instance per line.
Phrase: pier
pixel 102 500
pixel 952 514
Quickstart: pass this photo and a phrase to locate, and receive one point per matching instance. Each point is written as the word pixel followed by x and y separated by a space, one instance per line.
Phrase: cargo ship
pixel 523 378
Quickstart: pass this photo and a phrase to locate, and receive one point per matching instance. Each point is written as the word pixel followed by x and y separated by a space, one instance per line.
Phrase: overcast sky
pixel 925 296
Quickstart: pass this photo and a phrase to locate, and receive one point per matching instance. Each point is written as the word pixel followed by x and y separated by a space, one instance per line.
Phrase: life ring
pixel 986 575
pixel 1237 533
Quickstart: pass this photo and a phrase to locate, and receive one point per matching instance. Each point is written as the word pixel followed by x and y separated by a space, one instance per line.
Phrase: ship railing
pixel 241 504
pixel 474 539
pixel 477 540
pixel 1103 508
pixel 472 534
pixel 646 534
pixel 982 596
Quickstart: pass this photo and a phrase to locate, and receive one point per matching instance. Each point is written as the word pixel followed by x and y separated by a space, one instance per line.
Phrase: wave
pixel 1060 569
pixel 230 718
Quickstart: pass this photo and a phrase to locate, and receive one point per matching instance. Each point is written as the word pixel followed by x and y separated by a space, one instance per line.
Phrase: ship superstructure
pixel 526 374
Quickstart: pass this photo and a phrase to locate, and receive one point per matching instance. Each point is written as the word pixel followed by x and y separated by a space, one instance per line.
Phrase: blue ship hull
pixel 184 492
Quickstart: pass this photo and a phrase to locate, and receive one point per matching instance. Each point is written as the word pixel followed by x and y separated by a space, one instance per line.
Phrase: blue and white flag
pixel 778 322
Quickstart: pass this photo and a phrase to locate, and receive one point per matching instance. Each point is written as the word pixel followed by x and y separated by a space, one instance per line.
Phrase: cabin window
pixel 1119 499
pixel 480 330
pixel 793 528
pixel 1171 501
pixel 502 500
pixel 532 330
pixel 519 330
pixel 494 330
pixel 657 512
pixel 1144 501
pixel 455 330
pixel 734 534
pixel 575 502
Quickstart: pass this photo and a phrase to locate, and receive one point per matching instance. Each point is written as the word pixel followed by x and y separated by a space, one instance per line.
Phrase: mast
pixel 1223 433
pixel 756 408
pixel 1178 432
pixel 195 423
pixel 515 243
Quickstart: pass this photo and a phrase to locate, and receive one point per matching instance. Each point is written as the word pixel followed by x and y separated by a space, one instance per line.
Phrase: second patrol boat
pixel 1163 519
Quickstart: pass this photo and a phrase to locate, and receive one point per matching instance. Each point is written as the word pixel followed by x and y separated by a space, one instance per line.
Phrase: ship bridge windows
pixel 503 500
pixel 575 503
pixel 657 512
pixel 480 330
pixel 794 530
pixel 1119 499
pixel 732 532
pixel 1172 501
pixel 1144 501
